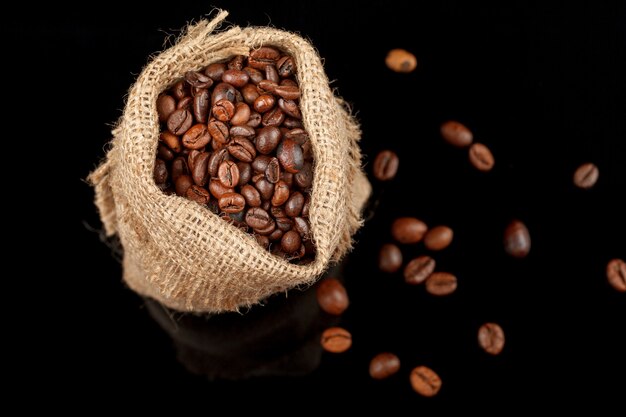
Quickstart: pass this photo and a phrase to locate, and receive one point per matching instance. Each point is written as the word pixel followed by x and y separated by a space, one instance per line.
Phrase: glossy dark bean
pixel 236 78
pixel 198 79
pixel 232 203
pixel 236 63
pixel 287 92
pixel 267 231
pixel 228 174
pixel 250 93
pixel 160 171
pixel 223 91
pixel 293 206
pixel 260 163
pixel 223 110
pixel 185 103
pixel 182 184
pixel 517 239
pixel 281 193
pixel 266 87
pixel 290 108
pixel 456 134
pixel 165 107
pixel 332 296
pixel 171 141
pixel 242 114
pixel 180 90
pixel 290 155
pixel 491 338
pixel 216 160
pixel 243 130
pixel 191 159
pixel 257 218
pixel 616 274
pixel 284 224
pixel 292 123
pixel 384 365
pixel 389 258
pixel 286 66
pixel 179 167
pixel 586 176
pixel 290 242
pixel 272 171
pixel 201 105
pixel 196 137
pixel 425 381
pixel 262 240
pixel 301 226
pixel 408 230
pixel 251 195
pixel 336 340
pixel 165 153
pixel 217 189
pixel 441 283
pixel 215 71
pixel 242 149
pixel 219 131
pixel 179 121
pixel 273 117
pixel 265 188
pixel 264 103
pixel 419 269
pixel 438 238
pixel 386 165
pixel 198 194
pixel 262 57
pixel 271 74
pixel 254 74
pixel 267 139
pixel 245 173
pixel 481 157
pixel 200 173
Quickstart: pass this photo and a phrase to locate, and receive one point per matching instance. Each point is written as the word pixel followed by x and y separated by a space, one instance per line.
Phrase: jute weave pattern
pixel 180 253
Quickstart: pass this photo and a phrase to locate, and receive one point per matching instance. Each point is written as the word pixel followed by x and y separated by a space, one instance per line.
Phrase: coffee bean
pixel 265 188
pixel 251 195
pixel 172 141
pixel 217 189
pixel 267 139
pixel 276 235
pixel 182 184
pixel 269 230
pixel 179 167
pixel 200 172
pixel 216 160
pixel 201 105
pixel 293 206
pixel 165 153
pixel 336 340
pixel 286 66
pixel 191 159
pixel 290 108
pixel 179 121
pixel 386 165
pixel 288 178
pixel 198 79
pixel 271 74
pixel 273 117
pixel 262 57
pixel 197 137
pixel 284 223
pixel 586 176
pixel 264 103
pixel 245 173
pixel 408 230
pixel 254 74
pixel 250 93
pixel 401 60
pixel 236 63
pixel 262 240
pixel 301 226
pixel 228 174
pixel 384 365
pixel 185 103
pixel 418 270
pixel 517 239
pixel 491 338
pixel 616 274
pixel 304 178
pixel 257 218
pixel 242 114
pixel 223 91
pixel 232 203
pixel 242 130
pixel 332 296
pixel 389 258
pixel 290 155
pixel 180 90
pixel 272 171
pixel 481 157
pixel 292 123
pixel 219 131
pixel 165 107
pixel 223 110
pixel 456 134
pixel 160 171
pixel 236 78
pixel 281 193
pixel 425 381
pixel 290 241
pixel 242 149
pixel 260 163
pixel 438 238
pixel 215 71
pixel 288 92
pixel 441 283
pixel 198 194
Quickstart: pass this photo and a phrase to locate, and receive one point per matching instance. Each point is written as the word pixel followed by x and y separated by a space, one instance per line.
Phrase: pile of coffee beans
pixel 232 140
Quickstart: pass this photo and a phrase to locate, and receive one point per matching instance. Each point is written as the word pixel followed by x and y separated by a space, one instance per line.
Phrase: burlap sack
pixel 180 253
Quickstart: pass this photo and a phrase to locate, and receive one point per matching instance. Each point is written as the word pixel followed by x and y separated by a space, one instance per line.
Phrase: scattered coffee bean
pixel 517 239
pixel 616 274
pixel 441 283
pixel 336 340
pixel 481 157
pixel 419 269
pixel 384 365
pixel 332 296
pixel 400 60
pixel 389 258
pixel 438 238
pixel 456 134
pixel 408 230
pixel 586 176
pixel 386 165
pixel 491 338
pixel 425 381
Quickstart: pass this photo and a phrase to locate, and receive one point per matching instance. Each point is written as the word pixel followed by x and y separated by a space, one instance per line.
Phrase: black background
pixel 541 84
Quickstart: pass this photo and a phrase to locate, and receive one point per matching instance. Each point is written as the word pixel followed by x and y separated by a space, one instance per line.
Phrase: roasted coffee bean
pixel 219 131
pixel 250 93
pixel 235 77
pixel 517 239
pixel 441 283
pixel 586 176
pixel 481 157
pixel 419 269
pixel 456 134
pixel 281 193
pixel 243 130
pixel 265 188
pixel 245 173
pixel 304 178
pixel 293 206
pixel 290 155
pixel 180 90
pixel 287 177
pixel 160 171
pixel 262 240
pixel 172 141
pixel 438 238
pixel 182 184
pixel 179 121
pixel 290 108
pixel 384 365
pixel 276 235
pixel 223 110
pixel 336 340
pixel 251 195
pixel 217 189
pixel 165 153
pixel 223 91
pixel 307 205
pixel 271 74
pixel 232 203
pixel 262 57
pixel 242 149
pixel 242 114
pixel 191 159
pixel 165 107
pixel 198 79
pixel 425 381
pixel 292 123
pixel 185 103
pixel 286 67
pixel 291 241
pixel 264 103
pixel 287 92
pixel 272 171
pixel 228 174
pixel 389 258
pixel 200 172
pixel 201 105
pixel 267 231
pixel 216 160
pixel 179 167
pixel 236 63
pixel 198 194
pixel 284 223
pixel 273 117
pixel 215 71
pixel 616 274
pixel 491 338
pixel 401 60
pixel 257 218
pixel 408 230
pixel 301 226
pixel 260 163
pixel 266 87
pixel 255 75
pixel 332 296
pixel 197 137
pixel 267 139
pixel 386 165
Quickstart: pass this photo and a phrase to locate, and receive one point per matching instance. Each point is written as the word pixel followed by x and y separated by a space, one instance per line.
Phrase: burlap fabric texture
pixel 177 251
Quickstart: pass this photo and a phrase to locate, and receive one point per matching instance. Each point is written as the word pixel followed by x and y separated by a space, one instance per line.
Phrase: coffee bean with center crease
pixel 301 226
pixel 271 74
pixel 438 238
pixel 408 230
pixel 386 165
pixel 281 193
pixel 197 137
pixel 215 71
pixel 336 340
pixel 290 108
pixel 287 92
pixel 286 66
pixel 219 131
pixel 273 117
pixel 456 134
pixel 272 171
pixel 242 149
pixel 250 93
pixel 491 338
pixel 425 381
pixel 232 203
pixel 257 218
pixel 198 79
pixel 251 195
pixel 201 105
pixel 180 90
pixel 384 365
pixel 262 57
pixel 517 239
pixel 217 189
pixel 216 160
pixel 160 171
pixel 419 269
pixel 389 258
pixel 228 174
pixel 223 110
pixel 200 172
pixel 198 194
pixel 586 176
pixel 242 130
pixel 254 75
pixel 179 121
pixel 332 296
pixel 165 107
pixel 264 103
pixel 481 157
pixel 290 155
pixel 616 274
pixel 304 178
pixel 441 283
